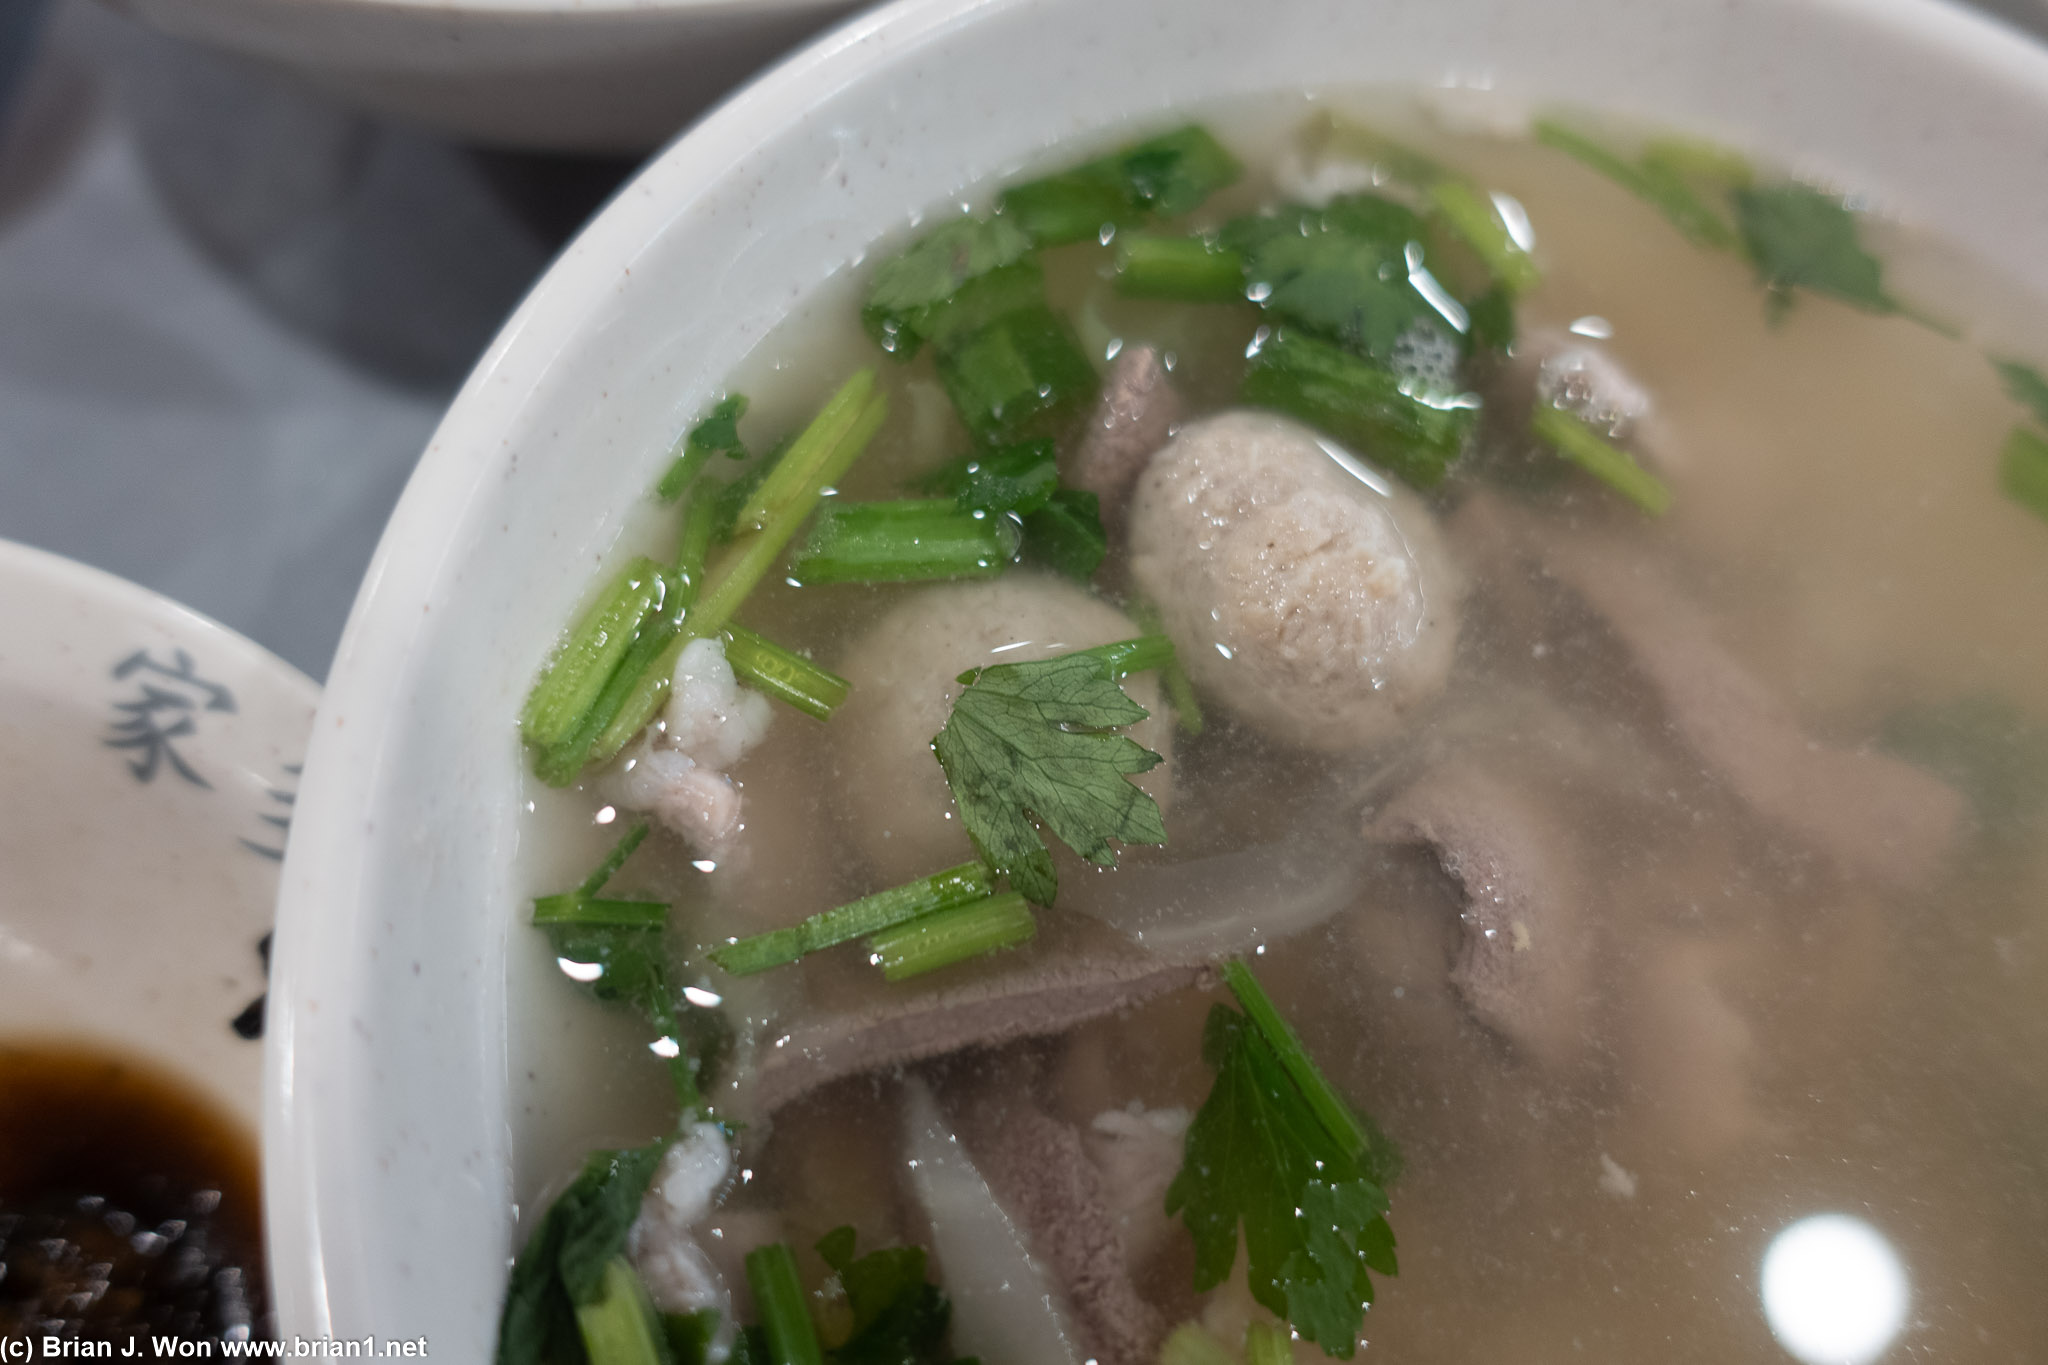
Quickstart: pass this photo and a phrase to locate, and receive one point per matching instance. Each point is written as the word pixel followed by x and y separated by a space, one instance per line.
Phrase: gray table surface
pixel 232 312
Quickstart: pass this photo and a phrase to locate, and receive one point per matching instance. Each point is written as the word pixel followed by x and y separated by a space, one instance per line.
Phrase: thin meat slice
pixel 1039 1170
pixel 1076 971
pixel 1523 964
pixel 1135 415
pixel 1872 815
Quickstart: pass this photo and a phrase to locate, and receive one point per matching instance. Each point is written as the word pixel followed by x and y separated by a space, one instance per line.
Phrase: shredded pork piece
pixel 679 1276
pixel 676 769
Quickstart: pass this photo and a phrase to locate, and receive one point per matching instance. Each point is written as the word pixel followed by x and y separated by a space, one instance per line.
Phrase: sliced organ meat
pixel 1524 963
pixel 1134 417
pixel 1872 815
pixel 1040 1173
pixel 1076 971
pixel 1307 593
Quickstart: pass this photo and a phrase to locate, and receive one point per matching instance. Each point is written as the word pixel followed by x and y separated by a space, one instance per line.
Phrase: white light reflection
pixel 1834 1290
pixel 702 998
pixel 585 972
pixel 666 1048
pixel 1515 219
pixel 1592 325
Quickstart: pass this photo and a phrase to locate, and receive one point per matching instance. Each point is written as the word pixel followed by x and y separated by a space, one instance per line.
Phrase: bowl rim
pixel 322 870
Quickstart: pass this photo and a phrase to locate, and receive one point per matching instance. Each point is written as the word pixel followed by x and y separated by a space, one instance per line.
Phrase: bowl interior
pixel 389 1127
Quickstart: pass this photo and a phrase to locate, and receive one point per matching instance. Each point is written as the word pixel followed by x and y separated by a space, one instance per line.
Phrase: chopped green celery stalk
pixel 945 937
pixel 1067 533
pixel 1361 404
pixel 1192 269
pixel 576 675
pixel 786 676
pixel 1688 158
pixel 903 542
pixel 1267 1343
pixel 910 289
pixel 619 1326
pixel 682 471
pixel 1336 1117
pixel 980 301
pixel 560 764
pixel 1023 368
pixel 693 547
pixel 1656 184
pixel 2023 470
pixel 689 1335
pixel 1572 438
pixel 642 700
pixel 614 860
pixel 857 919
pixel 1193 1344
pixel 784 1308
pixel 576 907
pixel 754 553
pixel 812 449
pixel 1062 209
pixel 1475 219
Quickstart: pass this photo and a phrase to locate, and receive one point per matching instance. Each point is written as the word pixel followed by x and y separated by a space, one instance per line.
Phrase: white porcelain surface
pixel 389 1132
pixel 150 760
pixel 584 75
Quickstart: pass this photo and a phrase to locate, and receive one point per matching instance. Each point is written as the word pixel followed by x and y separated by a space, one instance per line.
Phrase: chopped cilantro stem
pixel 869 915
pixel 1125 657
pixel 574 907
pixel 579 670
pixel 693 547
pixel 1193 1344
pixel 2023 470
pixel 783 674
pixel 949 936
pixel 813 450
pixel 1693 159
pixel 907 541
pixel 1572 438
pixel 717 432
pixel 643 698
pixel 614 860
pixel 754 552
pixel 1193 269
pixel 618 1326
pixel 784 1308
pixel 1658 183
pixel 1267 1343
pixel 560 764
pixel 1180 689
pixel 1360 403
pixel 1473 217
pixel 1336 1117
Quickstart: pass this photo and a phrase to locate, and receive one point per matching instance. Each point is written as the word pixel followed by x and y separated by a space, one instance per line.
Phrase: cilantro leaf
pixel 2025 385
pixel 1802 238
pixel 930 271
pixel 1033 739
pixel 899 1317
pixel 717 433
pixel 1259 1154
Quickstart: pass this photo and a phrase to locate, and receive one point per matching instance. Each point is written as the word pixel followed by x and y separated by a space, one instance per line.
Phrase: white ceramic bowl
pixel 567 75
pixel 390 1123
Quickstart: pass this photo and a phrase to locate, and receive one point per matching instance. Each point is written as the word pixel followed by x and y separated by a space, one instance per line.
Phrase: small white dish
pixel 148 760
pixel 390 1132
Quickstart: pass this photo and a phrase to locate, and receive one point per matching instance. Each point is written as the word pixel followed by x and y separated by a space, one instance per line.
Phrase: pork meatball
pixel 1305 592
pixel 904 674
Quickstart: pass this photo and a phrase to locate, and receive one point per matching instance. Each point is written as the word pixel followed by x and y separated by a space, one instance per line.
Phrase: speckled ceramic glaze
pixel 151 758
pixel 390 1123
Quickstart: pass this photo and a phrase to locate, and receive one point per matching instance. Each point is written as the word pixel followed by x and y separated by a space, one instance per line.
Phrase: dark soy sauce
pixel 129 1207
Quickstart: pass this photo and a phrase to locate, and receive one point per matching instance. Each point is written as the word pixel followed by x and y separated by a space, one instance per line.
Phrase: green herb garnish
pixel 1164 177
pixel 1022 369
pixel 783 674
pixel 949 936
pixel 2023 470
pixel 908 541
pixel 1655 179
pixel 1036 739
pixel 1364 405
pixel 1802 238
pixel 1985 747
pixel 1267 1343
pixel 717 434
pixel 1017 478
pixel 1066 533
pixel 577 673
pixel 566 1270
pixel 1576 440
pixel 857 919
pixel 1193 1344
pixel 784 1307
pixel 1275 1149
pixel 2025 385
pixel 1191 269
pixel 907 289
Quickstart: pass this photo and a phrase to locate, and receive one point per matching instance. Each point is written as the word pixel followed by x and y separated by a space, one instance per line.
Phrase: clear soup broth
pixel 1670 874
